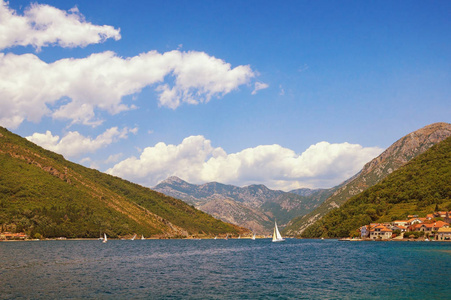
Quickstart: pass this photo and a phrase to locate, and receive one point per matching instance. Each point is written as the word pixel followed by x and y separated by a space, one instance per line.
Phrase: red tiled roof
pixel 440 224
pixel 381 227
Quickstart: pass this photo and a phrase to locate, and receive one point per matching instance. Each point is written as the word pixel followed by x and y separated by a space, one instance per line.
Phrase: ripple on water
pixel 234 269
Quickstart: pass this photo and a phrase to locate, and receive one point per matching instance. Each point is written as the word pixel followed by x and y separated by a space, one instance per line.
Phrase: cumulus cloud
pixel 44 25
pixel 74 144
pixel 74 89
pixel 259 86
pixel 197 161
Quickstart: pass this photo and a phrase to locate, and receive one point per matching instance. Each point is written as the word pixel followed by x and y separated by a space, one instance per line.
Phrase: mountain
pixel 45 195
pixel 421 186
pixel 397 155
pixel 253 195
pixel 254 206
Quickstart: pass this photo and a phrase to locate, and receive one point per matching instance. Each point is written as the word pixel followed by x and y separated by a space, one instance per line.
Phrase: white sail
pixel 276 237
pixel 104 238
pixel 142 237
pixel 253 237
pixel 134 237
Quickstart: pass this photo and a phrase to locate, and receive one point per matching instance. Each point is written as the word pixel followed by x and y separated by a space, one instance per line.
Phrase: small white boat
pixel 253 237
pixel 239 237
pixel 105 239
pixel 276 236
pixel 134 237
pixel 215 237
pixel 142 237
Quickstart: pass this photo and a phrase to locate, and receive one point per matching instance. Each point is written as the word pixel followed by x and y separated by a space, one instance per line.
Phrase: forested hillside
pixel 421 186
pixel 44 195
pixel 395 156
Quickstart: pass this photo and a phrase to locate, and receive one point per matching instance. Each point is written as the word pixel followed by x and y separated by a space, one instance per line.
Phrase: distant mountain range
pixel 397 155
pixel 44 195
pixel 254 207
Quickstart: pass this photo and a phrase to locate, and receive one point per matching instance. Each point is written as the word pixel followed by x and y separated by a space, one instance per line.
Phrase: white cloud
pixel 86 160
pixel 195 160
pixel 74 144
pixel 113 158
pixel 44 25
pixel 30 88
pixel 79 89
pixel 74 89
pixel 259 86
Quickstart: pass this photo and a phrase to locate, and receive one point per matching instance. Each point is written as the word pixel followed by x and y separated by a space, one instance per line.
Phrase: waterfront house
pixel 414 221
pixel 443 234
pixel 380 232
pixel 400 223
pixel 364 231
pixel 398 227
pixel 429 227
pixel 441 214
pixel 13 236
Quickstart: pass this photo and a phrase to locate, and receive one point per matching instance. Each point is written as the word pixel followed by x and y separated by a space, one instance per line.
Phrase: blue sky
pixel 292 94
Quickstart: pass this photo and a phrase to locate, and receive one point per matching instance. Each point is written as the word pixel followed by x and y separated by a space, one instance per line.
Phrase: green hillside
pixel 42 194
pixel 416 188
pixel 394 157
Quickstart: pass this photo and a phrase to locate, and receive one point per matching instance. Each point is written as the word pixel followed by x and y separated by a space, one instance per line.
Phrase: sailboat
pixel 142 237
pixel 104 238
pixel 134 237
pixel 276 237
pixel 253 237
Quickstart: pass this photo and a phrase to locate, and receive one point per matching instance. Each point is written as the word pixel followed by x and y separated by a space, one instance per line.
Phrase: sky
pixel 290 94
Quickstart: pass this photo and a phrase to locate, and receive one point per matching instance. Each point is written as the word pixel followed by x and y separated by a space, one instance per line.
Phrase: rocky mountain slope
pixel 255 206
pixel 44 195
pixel 397 155
pixel 421 186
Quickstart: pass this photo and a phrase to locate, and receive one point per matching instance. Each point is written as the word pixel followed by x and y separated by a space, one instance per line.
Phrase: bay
pixel 224 269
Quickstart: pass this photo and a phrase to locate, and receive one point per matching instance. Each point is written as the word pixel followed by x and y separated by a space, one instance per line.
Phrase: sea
pixel 224 269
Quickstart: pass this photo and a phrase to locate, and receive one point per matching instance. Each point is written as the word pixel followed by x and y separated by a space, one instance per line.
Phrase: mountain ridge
pixel 45 195
pixel 419 187
pixel 395 156
pixel 254 206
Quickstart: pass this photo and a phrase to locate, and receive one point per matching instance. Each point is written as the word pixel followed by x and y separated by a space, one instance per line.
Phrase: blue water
pixel 220 269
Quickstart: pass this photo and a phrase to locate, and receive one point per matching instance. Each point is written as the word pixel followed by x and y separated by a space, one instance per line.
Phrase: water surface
pixel 225 269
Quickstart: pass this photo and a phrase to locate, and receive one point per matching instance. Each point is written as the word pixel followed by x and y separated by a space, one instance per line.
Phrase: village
pixel 434 227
